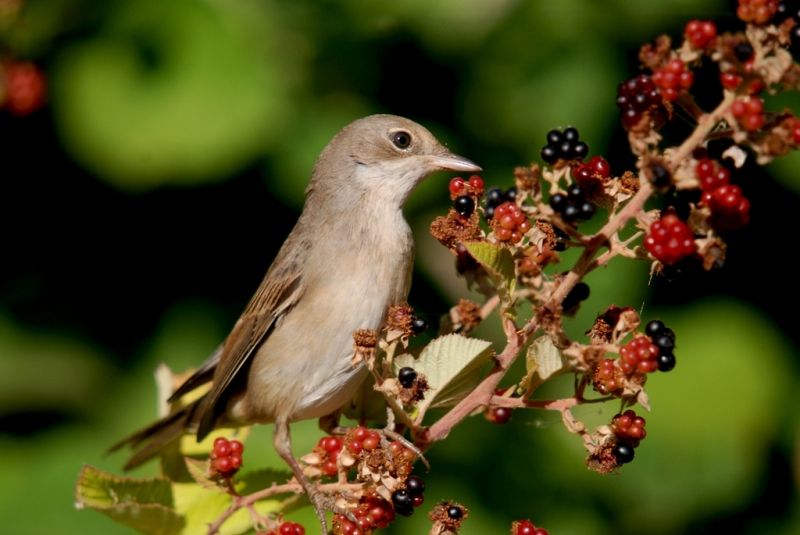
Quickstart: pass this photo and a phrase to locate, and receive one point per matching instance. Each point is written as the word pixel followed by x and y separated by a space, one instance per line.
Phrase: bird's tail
pixel 154 438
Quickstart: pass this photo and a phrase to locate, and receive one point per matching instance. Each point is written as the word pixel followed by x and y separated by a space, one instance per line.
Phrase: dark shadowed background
pixel 142 204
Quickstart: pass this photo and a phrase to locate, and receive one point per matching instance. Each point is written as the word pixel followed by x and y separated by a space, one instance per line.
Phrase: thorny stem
pixel 482 395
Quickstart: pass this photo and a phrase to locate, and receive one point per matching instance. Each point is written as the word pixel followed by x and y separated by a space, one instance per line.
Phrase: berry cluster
pixel 288 528
pixel 526 527
pixel 749 113
pixel 573 205
pixel 608 378
pixel 226 457
pixel 509 222
pixel 372 512
pixel 664 338
pixel 700 33
pixel 673 78
pixel 756 11
pixel 406 499
pixel 362 439
pixel 629 430
pixel 328 449
pixel 564 145
pixel 578 294
pixel 730 209
pixel 595 170
pixel 670 240
pixel 472 187
pixel 495 197
pixel 22 87
pixel 636 97
pixel 463 193
pixel 640 355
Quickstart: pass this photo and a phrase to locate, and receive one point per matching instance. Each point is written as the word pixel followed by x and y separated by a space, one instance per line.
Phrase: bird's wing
pixel 201 376
pixel 278 292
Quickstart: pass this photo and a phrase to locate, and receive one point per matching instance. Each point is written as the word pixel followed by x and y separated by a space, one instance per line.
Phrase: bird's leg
pixel 283 445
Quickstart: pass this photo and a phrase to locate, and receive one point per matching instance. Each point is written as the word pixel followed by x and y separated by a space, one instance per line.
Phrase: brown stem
pixel 250 499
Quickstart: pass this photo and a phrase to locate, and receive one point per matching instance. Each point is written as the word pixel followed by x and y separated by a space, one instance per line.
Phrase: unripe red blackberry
pixel 670 240
pixel 638 96
pixel 730 209
pixel 672 79
pixel 700 33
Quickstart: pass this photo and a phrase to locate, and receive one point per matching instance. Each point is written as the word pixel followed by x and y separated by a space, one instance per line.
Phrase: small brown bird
pixel 348 258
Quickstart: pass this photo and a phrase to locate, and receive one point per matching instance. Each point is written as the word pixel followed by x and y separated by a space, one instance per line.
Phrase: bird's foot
pixel 322 502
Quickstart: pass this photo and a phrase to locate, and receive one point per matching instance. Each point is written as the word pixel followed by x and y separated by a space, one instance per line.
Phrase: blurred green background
pixel 143 202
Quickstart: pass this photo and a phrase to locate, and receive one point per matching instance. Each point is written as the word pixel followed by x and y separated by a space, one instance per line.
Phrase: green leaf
pixel 143 504
pixel 452 364
pixel 497 260
pixel 543 360
pixel 201 506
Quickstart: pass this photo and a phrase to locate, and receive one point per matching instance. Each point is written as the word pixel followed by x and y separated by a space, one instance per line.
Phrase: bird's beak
pixel 451 162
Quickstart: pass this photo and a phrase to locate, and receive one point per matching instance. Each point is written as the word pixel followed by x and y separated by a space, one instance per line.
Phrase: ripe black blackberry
pixel 406 376
pixel 637 96
pixel 573 205
pixel 464 205
pixel 578 294
pixel 403 502
pixel 564 145
pixel 623 453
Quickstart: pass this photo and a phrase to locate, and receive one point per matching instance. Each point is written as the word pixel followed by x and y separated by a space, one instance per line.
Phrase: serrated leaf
pixel 497 260
pixel 201 506
pixel 452 364
pixel 199 471
pixel 142 504
pixel 543 360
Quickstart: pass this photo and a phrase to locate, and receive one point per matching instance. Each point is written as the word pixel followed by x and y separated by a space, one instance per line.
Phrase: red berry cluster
pixel 526 527
pixel 636 97
pixel 372 512
pixel 629 430
pixel 328 449
pixel 701 33
pixel 24 87
pixel 670 240
pixel 608 378
pixel 673 78
pixel 639 355
pixel 730 209
pixel 473 187
pixel 756 11
pixel 362 439
pixel 288 528
pixel 749 113
pixel 509 222
pixel 730 80
pixel 711 175
pixel 629 427
pixel 226 457
pixel 589 175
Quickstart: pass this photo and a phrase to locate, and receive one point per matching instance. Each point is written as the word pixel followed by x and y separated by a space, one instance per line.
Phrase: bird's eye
pixel 401 139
